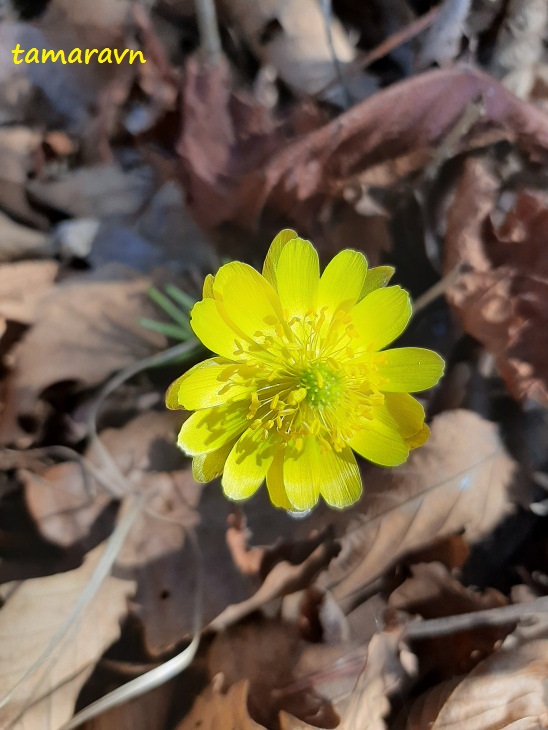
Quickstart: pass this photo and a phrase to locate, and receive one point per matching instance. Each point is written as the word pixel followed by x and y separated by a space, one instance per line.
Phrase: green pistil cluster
pixel 323 386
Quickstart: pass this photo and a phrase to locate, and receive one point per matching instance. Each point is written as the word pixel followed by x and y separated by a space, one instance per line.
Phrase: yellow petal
pixel 248 300
pixel 380 444
pixel 380 318
pixel 211 328
pixel 206 467
pixel 275 483
pixel 204 385
pixel 298 277
pixel 247 464
pixel 273 254
pixel 376 278
pixel 419 438
pixel 408 369
pixel 209 429
pixel 314 471
pixel 402 413
pixel 342 281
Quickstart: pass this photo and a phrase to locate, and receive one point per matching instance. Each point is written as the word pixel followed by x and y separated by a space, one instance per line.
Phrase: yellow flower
pixel 302 377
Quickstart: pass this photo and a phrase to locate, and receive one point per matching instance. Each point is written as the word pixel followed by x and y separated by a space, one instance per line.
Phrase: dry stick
pixel 439 288
pixel 327 12
pixel 466 621
pixel 388 45
pixel 210 40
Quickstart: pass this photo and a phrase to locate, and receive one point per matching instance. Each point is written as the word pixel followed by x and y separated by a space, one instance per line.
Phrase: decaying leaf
pixel 23 285
pixel 433 592
pixel 457 482
pixel 214 710
pixel 100 334
pixel 507 691
pixel 502 297
pixel 29 621
pixel 298 180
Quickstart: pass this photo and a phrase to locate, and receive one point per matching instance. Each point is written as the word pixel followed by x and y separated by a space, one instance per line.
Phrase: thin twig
pixel 210 39
pixel 466 621
pixel 327 12
pixel 438 289
pixel 387 46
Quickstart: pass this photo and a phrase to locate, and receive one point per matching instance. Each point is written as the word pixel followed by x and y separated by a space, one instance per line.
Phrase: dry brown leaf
pixel 457 482
pixel 297 180
pixel 283 578
pixel 86 329
pixel 368 704
pixel 507 691
pixel 147 712
pixel 64 504
pixel 502 297
pixel 433 592
pixel 214 710
pixel 29 621
pixel 23 285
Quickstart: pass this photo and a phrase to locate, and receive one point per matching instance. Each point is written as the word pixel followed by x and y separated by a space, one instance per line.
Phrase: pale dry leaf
pixel 65 499
pixel 368 703
pixel 291 36
pixel 520 44
pixel 23 285
pixel 29 621
pixel 20 242
pixel 213 710
pixel 86 329
pixel 96 191
pixel 457 482
pixel 507 691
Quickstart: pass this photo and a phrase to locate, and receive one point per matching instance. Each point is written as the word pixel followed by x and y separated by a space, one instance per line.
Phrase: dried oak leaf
pixel 507 691
pixel 214 710
pixel 382 676
pixel 456 483
pixel 23 285
pixel 65 501
pixel 234 179
pixel 433 592
pixel 29 621
pixel 86 329
pixel 502 297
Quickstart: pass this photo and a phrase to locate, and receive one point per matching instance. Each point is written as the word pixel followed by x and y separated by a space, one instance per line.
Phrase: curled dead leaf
pixel 502 296
pixel 507 691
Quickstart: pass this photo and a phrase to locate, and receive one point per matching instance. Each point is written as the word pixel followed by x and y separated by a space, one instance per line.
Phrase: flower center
pixel 323 385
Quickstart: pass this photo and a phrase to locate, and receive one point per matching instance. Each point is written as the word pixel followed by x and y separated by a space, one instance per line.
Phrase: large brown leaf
pixel 30 620
pixel 502 296
pixel 505 692
pixel 86 329
pixel 240 178
pixel 457 482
